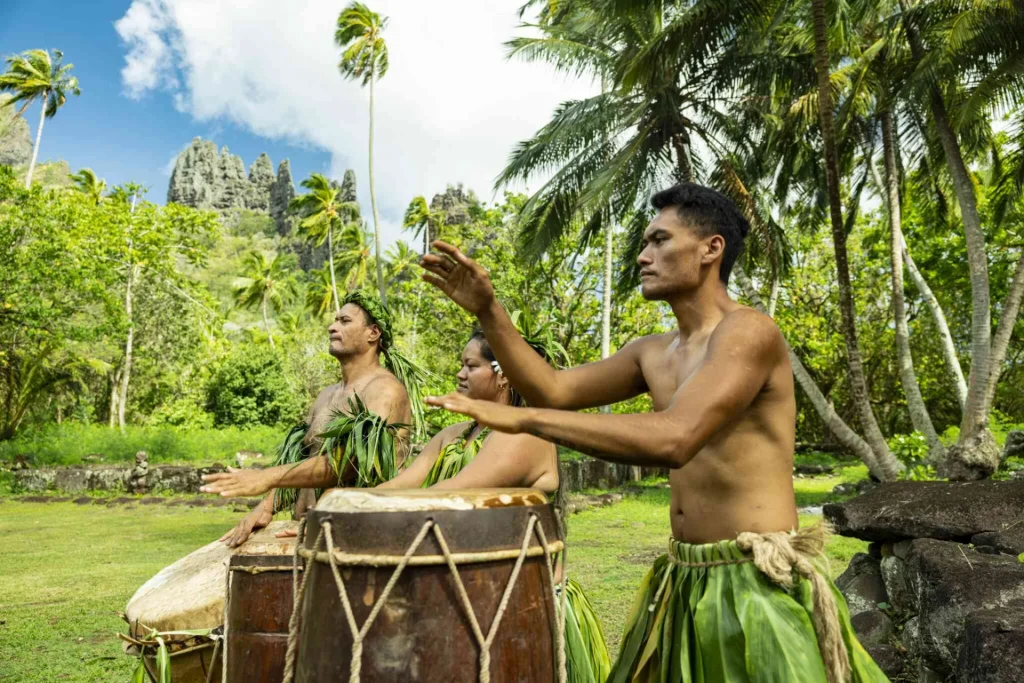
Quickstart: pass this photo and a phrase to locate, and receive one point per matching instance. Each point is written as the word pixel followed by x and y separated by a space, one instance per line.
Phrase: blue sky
pixel 261 76
pixel 120 138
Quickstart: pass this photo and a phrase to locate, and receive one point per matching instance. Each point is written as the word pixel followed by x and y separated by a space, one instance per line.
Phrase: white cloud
pixel 450 108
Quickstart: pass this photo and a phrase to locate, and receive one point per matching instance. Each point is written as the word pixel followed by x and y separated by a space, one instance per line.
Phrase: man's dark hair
pixel 709 213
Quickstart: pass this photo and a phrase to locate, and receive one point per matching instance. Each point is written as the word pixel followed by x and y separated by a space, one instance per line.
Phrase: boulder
pixel 1009 541
pixel 953 511
pixel 861 584
pixel 951 581
pixel 803 468
pixel 993 647
pixel 888 659
pixel 894 577
pixel 974 458
pixel 873 627
pixel 1014 446
pixel 911 636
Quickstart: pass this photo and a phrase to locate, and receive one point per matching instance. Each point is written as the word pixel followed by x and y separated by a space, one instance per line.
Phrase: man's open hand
pixel 236 483
pixel 461 278
pixel 257 519
pixel 497 416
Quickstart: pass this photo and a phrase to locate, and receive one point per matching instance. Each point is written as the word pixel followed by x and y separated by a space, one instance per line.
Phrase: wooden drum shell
pixel 259 607
pixel 422 633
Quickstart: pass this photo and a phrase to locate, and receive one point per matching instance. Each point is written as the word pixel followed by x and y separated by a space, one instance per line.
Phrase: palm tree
pixel 87 183
pixel 365 58
pixel 858 381
pixel 266 282
pixel 35 75
pixel 355 255
pixel 422 221
pixel 321 293
pixel 322 210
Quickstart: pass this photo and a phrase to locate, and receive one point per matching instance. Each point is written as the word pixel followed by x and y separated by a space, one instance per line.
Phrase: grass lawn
pixel 68 569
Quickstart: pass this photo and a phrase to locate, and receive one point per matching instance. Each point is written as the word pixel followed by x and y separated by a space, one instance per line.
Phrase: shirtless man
pixel 723 422
pixel 356 340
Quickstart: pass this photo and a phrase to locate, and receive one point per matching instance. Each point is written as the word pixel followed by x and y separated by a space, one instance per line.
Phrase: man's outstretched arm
pixel 384 397
pixel 467 283
pixel 741 355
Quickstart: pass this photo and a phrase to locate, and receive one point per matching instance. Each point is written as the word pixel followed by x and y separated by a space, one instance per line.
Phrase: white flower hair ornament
pixel 496 367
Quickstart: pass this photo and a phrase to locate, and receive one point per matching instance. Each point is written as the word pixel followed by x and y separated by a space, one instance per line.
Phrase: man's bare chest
pixel 669 369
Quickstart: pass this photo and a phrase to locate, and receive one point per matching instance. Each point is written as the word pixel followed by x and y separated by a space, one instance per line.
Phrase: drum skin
pixel 189 594
pixel 258 609
pixel 422 633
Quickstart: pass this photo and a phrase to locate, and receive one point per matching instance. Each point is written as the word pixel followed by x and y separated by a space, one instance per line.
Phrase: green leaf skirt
pixel 727 624
pixel 586 655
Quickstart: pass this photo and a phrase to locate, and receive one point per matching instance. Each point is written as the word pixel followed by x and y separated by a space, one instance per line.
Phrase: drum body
pixel 189 595
pixel 259 608
pixel 422 631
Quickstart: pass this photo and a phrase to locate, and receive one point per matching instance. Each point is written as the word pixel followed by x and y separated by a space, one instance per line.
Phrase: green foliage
pixel 70 443
pixel 363 442
pixel 250 388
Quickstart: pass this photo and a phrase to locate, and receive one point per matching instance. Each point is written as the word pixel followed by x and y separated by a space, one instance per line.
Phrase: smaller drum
pixel 439 585
pixel 189 595
pixel 258 610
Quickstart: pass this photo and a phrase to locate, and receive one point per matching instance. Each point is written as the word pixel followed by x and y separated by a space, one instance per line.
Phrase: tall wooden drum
pixel 428 586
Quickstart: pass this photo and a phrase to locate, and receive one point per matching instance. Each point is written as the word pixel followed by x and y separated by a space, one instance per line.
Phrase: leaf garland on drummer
pixel 365 440
pixel 404 369
pixel 292 451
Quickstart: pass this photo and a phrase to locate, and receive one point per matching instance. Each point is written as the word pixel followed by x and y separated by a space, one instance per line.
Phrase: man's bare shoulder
pixel 384 383
pixel 751 329
pixel 650 342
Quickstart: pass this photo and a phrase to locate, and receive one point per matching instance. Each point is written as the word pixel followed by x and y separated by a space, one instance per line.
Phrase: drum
pixel 258 610
pixel 189 595
pixel 426 586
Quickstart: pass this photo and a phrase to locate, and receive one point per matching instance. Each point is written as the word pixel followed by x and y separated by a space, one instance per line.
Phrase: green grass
pixel 69 443
pixel 818 490
pixel 68 569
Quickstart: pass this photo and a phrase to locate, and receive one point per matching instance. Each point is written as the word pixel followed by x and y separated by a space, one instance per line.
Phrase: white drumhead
pixel 190 593
pixel 413 500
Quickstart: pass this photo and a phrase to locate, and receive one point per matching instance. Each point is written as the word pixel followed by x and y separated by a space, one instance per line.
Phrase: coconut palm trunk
pixel 919 416
pixel 330 264
pixel 976 454
pixel 848 438
pixel 1001 340
pixel 39 138
pixel 889 467
pixel 945 337
pixel 373 200
pixel 266 321
pixel 129 345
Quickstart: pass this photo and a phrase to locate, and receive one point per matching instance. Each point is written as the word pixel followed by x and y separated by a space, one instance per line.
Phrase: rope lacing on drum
pixel 358 634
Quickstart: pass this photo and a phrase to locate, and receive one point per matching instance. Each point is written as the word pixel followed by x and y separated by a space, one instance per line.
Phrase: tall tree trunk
pixel 606 293
pixel 833 422
pixel 39 137
pixel 949 355
pixel 1001 340
pixel 919 416
pixel 773 295
pixel 683 165
pixel 266 322
pixel 126 367
pixel 976 454
pixel 373 200
pixel 330 264
pixel 888 464
pixel 115 383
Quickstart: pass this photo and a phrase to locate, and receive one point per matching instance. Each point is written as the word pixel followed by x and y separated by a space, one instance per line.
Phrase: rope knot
pixel 777 555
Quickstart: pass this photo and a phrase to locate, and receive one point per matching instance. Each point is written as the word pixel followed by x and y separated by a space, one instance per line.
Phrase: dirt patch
pixel 153 500
pixel 644 559
pixel 123 500
pixel 62 499
pixel 36 499
pixel 84 500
